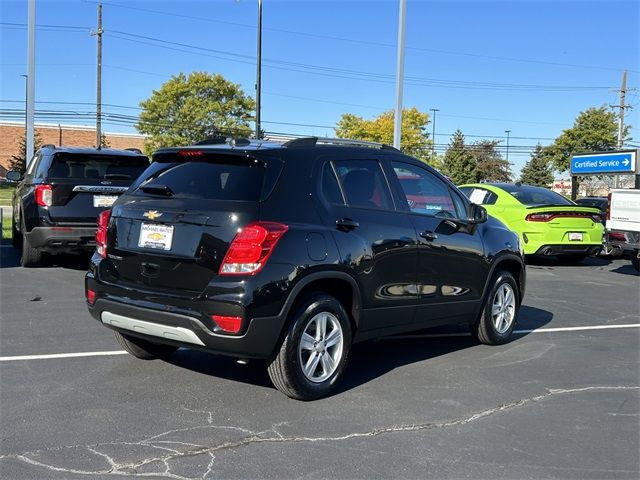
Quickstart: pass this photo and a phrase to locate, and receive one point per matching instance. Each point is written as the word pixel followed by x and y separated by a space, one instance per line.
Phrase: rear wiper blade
pixel 157 188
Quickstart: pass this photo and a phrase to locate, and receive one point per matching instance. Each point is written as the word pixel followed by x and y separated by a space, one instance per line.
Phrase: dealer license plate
pixel 104 200
pixel 575 236
pixel 155 236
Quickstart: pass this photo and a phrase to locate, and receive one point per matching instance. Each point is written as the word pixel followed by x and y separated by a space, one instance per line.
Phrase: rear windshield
pixel 238 179
pixel 100 167
pixel 531 196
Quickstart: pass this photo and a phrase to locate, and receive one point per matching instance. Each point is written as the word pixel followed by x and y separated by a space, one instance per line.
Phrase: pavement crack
pixel 165 456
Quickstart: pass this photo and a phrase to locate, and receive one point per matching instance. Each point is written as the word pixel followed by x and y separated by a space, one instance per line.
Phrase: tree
pixel 594 130
pixel 104 142
pixel 459 163
pixel 414 140
pixel 537 170
pixel 490 166
pixel 18 161
pixel 186 110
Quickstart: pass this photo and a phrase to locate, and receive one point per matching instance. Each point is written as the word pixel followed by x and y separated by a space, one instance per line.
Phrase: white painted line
pixel 519 332
pixel 62 355
pixel 395 337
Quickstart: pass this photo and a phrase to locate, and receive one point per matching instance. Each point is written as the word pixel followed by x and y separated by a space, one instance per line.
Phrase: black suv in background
pixel 292 252
pixel 58 199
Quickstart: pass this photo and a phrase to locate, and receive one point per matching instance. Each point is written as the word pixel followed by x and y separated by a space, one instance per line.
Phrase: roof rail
pixel 133 149
pixel 219 140
pixel 306 142
pixel 48 145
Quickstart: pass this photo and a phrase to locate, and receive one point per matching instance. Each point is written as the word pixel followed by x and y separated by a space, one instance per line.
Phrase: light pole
pixel 259 69
pixel 397 124
pixel 26 118
pixel 31 78
pixel 433 134
pixel 507 132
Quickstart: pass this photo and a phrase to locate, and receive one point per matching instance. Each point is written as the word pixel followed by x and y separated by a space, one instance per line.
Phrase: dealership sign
pixel 604 163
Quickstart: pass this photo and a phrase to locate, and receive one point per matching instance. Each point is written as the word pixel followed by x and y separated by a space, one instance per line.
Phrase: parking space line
pixel 522 331
pixel 395 337
pixel 62 355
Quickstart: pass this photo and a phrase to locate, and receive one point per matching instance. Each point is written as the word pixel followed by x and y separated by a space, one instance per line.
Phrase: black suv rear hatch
pixel 84 184
pixel 173 229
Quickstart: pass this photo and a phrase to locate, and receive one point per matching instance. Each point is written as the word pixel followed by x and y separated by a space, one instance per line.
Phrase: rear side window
pixel 97 167
pixel 425 193
pixel 241 180
pixel 533 196
pixel 480 196
pixel 364 184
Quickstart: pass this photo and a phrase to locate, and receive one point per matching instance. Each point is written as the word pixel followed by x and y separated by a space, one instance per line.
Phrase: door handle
pixel 346 224
pixel 428 235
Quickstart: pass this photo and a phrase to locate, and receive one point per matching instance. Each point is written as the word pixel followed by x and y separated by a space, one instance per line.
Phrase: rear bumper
pixel 159 325
pixel 575 249
pixel 60 239
pixel 631 240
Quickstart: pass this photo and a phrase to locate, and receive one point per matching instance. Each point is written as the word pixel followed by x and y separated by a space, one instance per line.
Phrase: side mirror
pixel 478 214
pixel 14 176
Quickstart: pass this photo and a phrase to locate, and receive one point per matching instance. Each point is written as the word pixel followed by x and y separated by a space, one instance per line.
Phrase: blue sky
pixel 528 67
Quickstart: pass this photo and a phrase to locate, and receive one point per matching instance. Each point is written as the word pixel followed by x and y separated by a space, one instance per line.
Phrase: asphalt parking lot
pixel 560 401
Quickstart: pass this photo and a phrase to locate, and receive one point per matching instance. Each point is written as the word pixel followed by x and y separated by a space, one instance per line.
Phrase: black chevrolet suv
pixel 57 200
pixel 292 252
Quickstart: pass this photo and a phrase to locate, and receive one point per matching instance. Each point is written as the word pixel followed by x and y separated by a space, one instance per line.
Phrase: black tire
pixel 16 237
pixel 610 251
pixel 635 260
pixel 573 258
pixel 31 256
pixel 143 349
pixel 485 329
pixel 286 370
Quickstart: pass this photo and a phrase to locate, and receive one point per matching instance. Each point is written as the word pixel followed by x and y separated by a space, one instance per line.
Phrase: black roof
pixel 92 151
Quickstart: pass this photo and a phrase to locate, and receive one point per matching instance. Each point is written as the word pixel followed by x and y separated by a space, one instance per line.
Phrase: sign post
pixel 602 163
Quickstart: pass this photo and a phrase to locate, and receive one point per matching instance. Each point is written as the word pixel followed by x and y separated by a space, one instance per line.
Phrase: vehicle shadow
pixel 626 270
pixel 366 362
pixel 10 258
pixel 553 261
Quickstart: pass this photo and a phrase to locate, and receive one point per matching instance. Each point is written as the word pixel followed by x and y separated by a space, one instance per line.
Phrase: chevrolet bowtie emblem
pixel 151 214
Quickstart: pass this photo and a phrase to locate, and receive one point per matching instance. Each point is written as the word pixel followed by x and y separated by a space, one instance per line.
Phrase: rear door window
pixel 97 167
pixel 364 184
pixel 424 192
pixel 238 179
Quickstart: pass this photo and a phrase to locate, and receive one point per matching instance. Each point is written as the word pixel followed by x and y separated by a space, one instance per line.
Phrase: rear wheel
pixel 143 349
pixel 314 353
pixel 498 317
pixel 31 256
pixel 15 234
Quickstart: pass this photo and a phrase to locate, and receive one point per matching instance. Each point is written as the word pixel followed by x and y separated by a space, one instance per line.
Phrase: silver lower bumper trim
pixel 178 334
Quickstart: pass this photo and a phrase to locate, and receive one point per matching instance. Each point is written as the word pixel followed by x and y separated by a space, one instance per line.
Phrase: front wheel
pixel 314 353
pixel 635 260
pixel 500 311
pixel 143 349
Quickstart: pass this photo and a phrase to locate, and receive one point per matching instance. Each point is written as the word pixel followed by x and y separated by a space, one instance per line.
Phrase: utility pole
pixel 98 34
pixel 397 126
pixel 433 134
pixel 26 118
pixel 259 70
pixel 31 80
pixel 507 132
pixel 623 93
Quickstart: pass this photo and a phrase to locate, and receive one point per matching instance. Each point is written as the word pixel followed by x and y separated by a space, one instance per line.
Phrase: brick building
pixel 59 135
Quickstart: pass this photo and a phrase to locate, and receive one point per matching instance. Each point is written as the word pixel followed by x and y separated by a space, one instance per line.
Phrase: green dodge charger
pixel 548 223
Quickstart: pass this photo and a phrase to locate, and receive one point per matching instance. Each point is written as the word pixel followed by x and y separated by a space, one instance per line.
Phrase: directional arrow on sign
pixel 626 162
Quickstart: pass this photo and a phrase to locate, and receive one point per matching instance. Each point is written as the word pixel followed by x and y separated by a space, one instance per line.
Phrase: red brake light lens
pixel 44 195
pixel 101 233
pixel 228 324
pixel 539 217
pixel 251 248
pixel 91 297
pixel 191 153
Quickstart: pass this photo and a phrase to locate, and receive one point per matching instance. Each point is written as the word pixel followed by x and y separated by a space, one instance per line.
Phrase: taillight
pixel 251 248
pixel 91 297
pixel 539 217
pixel 44 195
pixel 191 153
pixel 101 233
pixel 228 324
pixel 609 206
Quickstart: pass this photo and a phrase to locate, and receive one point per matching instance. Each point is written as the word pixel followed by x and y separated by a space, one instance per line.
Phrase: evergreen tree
pixel 537 170
pixel 18 161
pixel 491 167
pixel 459 163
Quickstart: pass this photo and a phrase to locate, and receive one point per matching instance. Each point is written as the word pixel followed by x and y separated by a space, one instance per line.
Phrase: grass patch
pixel 6 227
pixel 6 192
